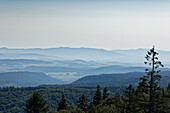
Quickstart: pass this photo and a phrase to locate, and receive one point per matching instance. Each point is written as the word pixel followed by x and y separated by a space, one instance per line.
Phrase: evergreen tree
pixel 142 94
pixel 119 103
pixel 91 108
pixel 97 97
pixel 167 99
pixel 153 78
pixel 161 105
pixel 36 104
pixel 143 85
pixel 168 87
pixel 130 99
pixel 128 93
pixel 62 104
pixel 82 103
pixel 105 94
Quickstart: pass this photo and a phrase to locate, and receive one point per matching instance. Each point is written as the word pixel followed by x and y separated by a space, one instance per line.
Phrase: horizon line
pixel 81 47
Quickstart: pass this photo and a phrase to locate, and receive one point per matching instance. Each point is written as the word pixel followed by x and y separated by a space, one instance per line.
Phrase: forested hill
pixel 26 79
pixel 120 79
pixel 12 100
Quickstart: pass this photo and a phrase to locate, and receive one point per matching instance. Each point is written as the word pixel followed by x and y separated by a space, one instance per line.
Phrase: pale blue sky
pixel 108 24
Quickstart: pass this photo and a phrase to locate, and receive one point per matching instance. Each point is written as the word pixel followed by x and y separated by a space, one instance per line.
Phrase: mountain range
pixel 26 79
pixel 133 56
pixel 65 65
pixel 118 79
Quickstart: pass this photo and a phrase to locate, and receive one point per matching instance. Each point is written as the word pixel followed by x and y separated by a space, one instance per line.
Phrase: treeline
pixel 12 100
pixel 132 101
pixel 148 97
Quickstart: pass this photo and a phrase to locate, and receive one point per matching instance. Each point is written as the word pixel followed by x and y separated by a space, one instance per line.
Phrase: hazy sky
pixel 108 24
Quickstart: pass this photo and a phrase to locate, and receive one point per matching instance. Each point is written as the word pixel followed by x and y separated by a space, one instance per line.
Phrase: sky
pixel 107 24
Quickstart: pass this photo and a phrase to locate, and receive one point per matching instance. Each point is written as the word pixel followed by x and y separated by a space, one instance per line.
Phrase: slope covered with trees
pixel 119 79
pixel 13 99
pixel 146 97
pixel 26 79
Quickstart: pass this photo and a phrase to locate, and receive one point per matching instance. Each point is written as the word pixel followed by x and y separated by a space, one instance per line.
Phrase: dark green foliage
pixel 97 97
pixel 142 95
pixel 70 109
pixel 36 104
pixel 167 99
pixel 82 103
pixel 143 85
pixel 91 108
pixel 147 97
pixel 153 79
pixel 62 104
pixel 116 101
pixel 128 93
pixel 168 87
pixel 116 104
pixel 105 93
pixel 106 109
pixel 130 99
pixel 13 99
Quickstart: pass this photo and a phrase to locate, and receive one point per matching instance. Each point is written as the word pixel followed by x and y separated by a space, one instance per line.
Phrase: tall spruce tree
pixel 153 78
pixel 36 104
pixel 97 97
pixel 62 104
pixel 105 94
pixel 82 103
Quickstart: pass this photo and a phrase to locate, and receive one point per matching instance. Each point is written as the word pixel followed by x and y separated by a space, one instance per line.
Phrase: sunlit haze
pixel 107 24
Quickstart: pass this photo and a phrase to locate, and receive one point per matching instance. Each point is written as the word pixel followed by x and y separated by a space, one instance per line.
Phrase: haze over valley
pixel 84 56
pixel 66 65
pixel 69 39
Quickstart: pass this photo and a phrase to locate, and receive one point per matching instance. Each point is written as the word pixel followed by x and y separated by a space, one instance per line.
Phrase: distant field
pixel 64 76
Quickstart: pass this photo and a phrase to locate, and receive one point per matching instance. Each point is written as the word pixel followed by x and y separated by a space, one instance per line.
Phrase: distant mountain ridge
pixel 26 79
pixel 81 71
pixel 133 56
pixel 69 64
pixel 118 79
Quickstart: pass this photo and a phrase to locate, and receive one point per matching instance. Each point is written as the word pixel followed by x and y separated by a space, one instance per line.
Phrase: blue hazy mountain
pixel 61 53
pixel 25 79
pixel 86 71
pixel 118 79
pixel 134 56
pixel 69 64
